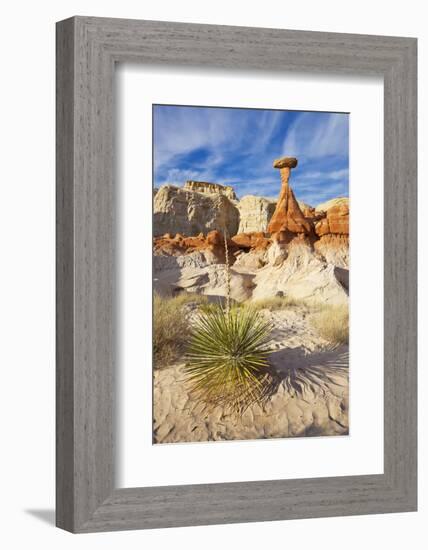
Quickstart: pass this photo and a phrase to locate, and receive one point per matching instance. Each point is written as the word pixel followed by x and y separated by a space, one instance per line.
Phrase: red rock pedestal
pixel 288 215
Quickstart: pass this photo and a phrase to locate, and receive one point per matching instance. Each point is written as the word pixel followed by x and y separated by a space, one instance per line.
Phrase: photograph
pixel 250 274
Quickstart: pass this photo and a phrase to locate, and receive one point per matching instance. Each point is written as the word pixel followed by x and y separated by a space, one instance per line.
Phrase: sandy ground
pixel 310 396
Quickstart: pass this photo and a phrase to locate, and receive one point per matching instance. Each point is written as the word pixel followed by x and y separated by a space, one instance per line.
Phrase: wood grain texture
pixel 87 49
pixel 64 277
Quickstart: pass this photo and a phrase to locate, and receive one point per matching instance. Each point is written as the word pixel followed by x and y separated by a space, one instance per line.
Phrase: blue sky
pixel 237 147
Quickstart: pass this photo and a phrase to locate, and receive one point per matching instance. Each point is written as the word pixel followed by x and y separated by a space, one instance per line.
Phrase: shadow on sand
pixel 302 372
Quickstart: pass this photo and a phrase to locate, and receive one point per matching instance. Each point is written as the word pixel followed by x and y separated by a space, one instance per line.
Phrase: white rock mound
pixel 201 273
pixel 255 213
pixel 295 271
pixel 325 206
pixel 191 212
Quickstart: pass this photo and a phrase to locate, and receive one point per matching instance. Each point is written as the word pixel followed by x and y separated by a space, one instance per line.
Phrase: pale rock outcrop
pixel 194 273
pixel 325 206
pixel 334 249
pixel 214 283
pixel 252 260
pixel 168 269
pixel 190 213
pixel 296 272
pixel 276 254
pixel 197 264
pixel 255 213
pixel 210 188
pixel 288 268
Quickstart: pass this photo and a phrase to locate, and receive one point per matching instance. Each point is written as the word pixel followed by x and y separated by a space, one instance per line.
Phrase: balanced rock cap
pixel 285 162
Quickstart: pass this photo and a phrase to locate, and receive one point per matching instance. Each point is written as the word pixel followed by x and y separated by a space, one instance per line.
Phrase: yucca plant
pixel 226 360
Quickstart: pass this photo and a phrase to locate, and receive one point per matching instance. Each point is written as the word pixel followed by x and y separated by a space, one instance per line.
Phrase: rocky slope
pixel 325 206
pixel 191 212
pixel 184 210
pixel 304 253
pixel 202 207
pixel 210 188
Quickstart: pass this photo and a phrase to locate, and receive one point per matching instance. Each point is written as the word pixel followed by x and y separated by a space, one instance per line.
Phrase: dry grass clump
pixel 332 323
pixel 184 298
pixel 171 326
pixel 277 302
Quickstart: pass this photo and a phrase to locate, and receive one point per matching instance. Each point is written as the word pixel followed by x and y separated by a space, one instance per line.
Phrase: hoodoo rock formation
pixel 276 248
pixel 288 215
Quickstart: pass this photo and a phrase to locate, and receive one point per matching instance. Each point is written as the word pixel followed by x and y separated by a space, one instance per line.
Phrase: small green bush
pixel 226 360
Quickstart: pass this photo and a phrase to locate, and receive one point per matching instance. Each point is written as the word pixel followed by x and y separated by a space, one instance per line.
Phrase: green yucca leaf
pixel 226 359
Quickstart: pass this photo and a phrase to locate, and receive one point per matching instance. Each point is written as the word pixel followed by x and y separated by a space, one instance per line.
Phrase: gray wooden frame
pixel 87 50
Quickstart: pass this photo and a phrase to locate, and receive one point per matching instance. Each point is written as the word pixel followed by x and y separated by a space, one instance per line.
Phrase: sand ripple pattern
pixel 308 394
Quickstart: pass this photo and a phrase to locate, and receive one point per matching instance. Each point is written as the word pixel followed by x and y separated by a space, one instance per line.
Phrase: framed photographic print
pixel 236 274
pixel 250 332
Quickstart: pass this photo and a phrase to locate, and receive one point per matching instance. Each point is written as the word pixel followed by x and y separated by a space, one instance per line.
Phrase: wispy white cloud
pixel 178 131
pixel 319 135
pixel 266 125
pixel 238 146
pixel 342 174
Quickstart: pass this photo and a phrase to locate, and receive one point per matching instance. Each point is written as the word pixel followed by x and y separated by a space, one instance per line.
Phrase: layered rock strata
pixel 325 206
pixel 304 254
pixel 212 245
pixel 190 213
pixel 336 221
pixel 255 213
pixel 210 188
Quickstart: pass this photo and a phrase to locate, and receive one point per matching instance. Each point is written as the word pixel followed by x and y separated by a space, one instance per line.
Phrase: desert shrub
pixel 171 326
pixel 184 298
pixel 332 323
pixel 226 360
pixel 276 303
pixel 208 307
